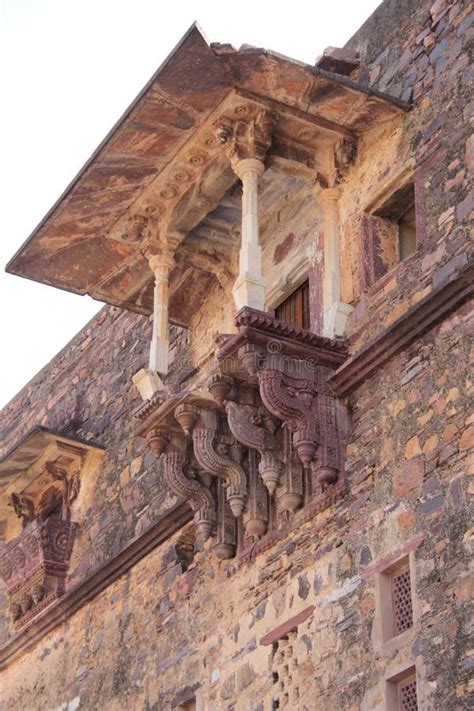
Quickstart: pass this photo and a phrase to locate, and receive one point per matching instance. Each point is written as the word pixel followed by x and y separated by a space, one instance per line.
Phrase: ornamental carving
pixel 35 563
pixel 292 367
pixel 267 433
pixel 183 479
pixel 251 424
pixel 219 456
pixel 248 137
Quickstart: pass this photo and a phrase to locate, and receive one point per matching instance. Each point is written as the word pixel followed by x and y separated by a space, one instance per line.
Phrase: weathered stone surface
pixel 297 618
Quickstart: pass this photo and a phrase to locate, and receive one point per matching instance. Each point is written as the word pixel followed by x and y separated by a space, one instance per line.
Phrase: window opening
pixel 295 308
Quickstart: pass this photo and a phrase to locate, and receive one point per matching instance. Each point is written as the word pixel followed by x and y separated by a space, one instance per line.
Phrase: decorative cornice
pixel 143 410
pixel 269 333
pixel 74 599
pixel 265 322
pixel 416 321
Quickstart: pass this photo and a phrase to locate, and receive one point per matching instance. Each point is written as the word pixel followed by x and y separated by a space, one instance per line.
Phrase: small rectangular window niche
pixel 402 692
pixel 396 599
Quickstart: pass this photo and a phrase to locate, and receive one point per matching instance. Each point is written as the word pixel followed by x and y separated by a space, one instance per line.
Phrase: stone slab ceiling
pixel 162 168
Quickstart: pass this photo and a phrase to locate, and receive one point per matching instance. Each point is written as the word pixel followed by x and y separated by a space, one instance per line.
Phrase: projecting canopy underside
pixel 163 168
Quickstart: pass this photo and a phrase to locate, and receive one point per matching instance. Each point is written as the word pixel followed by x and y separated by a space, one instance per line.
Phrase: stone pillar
pixel 250 285
pixel 335 312
pixel 161 265
pixel 247 142
pixel 148 381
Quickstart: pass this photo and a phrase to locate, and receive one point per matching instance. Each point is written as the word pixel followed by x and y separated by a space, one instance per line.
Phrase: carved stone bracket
pixel 183 481
pixel 266 432
pixel 291 368
pixel 251 425
pixel 35 565
pixel 247 138
pixel 70 483
pixel 294 401
pixel 214 455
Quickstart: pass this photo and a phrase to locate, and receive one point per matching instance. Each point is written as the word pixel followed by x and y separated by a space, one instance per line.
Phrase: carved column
pixel 226 538
pixel 291 495
pixel 327 468
pixel 247 143
pixel 335 311
pixel 161 266
pixel 256 515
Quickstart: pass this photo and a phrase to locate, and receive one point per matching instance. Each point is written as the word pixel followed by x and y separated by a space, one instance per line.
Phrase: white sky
pixel 68 70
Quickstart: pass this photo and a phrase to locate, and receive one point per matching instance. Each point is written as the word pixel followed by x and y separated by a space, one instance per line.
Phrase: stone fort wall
pixel 303 623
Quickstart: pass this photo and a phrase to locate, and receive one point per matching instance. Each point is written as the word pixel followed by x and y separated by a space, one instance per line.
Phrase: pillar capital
pixel 247 138
pixel 162 264
pixel 329 194
pixel 248 166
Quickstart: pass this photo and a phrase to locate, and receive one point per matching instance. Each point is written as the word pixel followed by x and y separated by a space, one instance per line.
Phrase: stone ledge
pixel 420 318
pixel 288 626
pixel 85 591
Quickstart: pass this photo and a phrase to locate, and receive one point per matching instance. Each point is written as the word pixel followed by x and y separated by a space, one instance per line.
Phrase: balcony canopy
pixel 23 467
pixel 162 169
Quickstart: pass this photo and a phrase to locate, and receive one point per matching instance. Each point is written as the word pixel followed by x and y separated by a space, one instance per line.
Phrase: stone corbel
pixel 247 137
pixel 253 427
pixel 182 479
pixel 181 476
pixel 306 408
pixel 70 484
pixel 219 457
pixel 294 401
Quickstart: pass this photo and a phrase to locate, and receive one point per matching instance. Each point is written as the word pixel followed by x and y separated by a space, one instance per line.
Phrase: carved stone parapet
pixel 34 566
